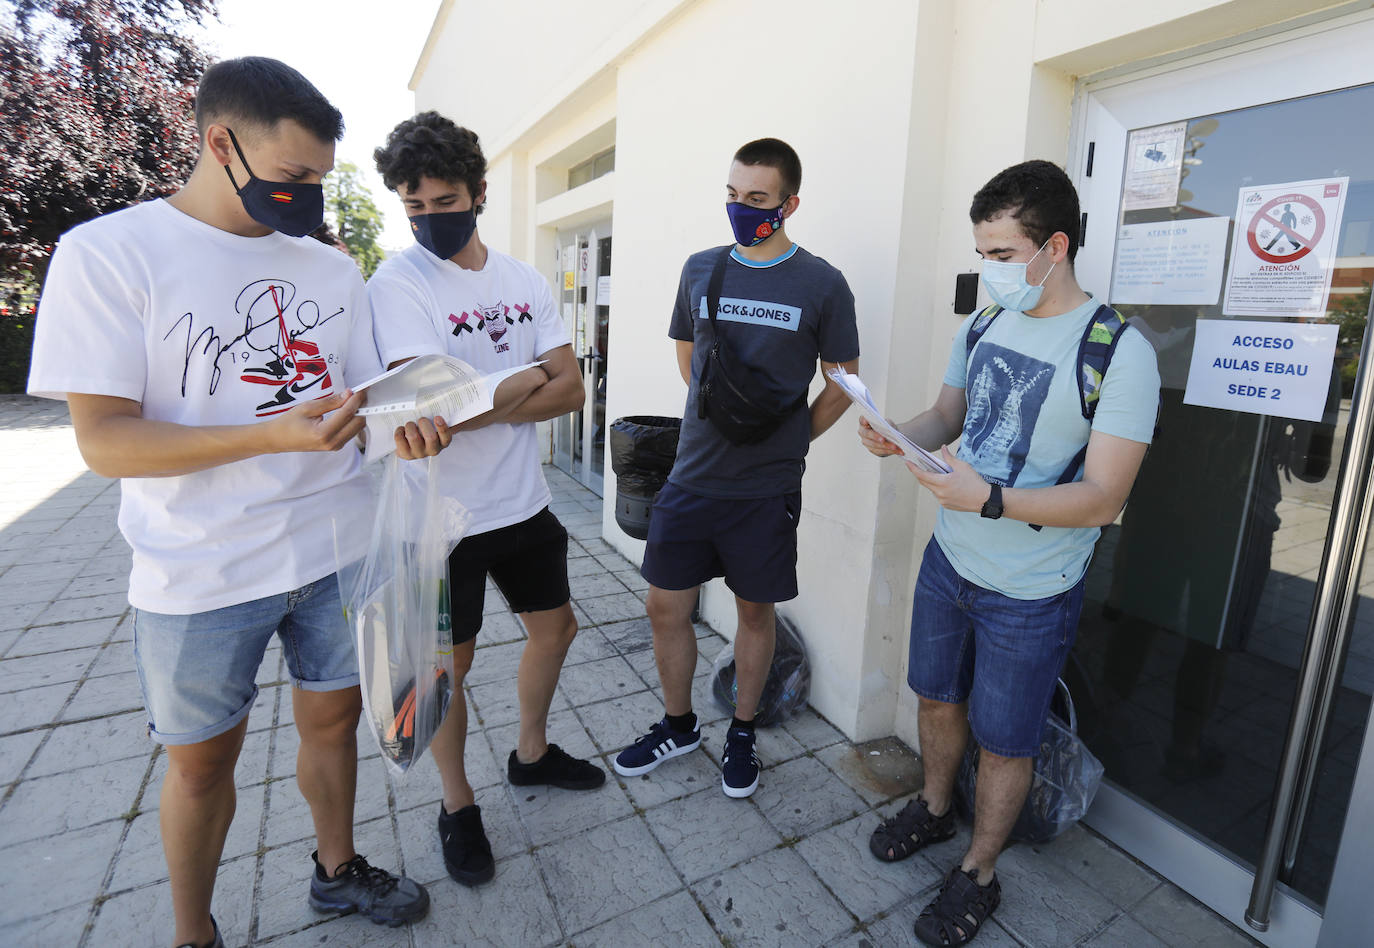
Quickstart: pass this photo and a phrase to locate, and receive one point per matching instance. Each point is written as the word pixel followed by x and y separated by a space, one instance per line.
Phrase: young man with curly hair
pixel 451 294
pixel 204 346
pixel 1038 472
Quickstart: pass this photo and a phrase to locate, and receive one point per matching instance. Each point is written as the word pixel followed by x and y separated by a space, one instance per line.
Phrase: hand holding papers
pixel 858 393
pixel 422 388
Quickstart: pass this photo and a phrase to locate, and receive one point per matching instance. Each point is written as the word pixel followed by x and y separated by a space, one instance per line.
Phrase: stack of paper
pixel 858 393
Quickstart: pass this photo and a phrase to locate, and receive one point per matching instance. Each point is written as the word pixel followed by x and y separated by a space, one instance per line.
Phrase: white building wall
pixel 900 110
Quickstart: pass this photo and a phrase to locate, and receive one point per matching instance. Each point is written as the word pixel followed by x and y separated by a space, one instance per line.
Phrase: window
pixel 591 169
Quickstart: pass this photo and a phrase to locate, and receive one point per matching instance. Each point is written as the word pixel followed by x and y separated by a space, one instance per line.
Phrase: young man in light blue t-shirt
pixel 1001 584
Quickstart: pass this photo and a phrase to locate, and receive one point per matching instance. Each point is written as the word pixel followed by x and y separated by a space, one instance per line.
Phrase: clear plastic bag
pixel 397 605
pixel 788 684
pixel 1063 783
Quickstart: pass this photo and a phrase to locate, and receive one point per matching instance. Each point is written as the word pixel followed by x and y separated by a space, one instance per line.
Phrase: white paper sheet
pixel 858 393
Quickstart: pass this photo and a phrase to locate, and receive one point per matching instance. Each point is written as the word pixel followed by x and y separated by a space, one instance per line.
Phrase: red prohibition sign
pixel 1305 244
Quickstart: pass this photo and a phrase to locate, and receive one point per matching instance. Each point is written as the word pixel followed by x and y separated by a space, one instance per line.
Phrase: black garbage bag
pixel 1063 783
pixel 644 444
pixel 789 678
pixel 640 483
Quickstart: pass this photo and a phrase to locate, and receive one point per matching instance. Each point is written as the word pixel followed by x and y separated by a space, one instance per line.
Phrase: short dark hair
pixel 774 153
pixel 1038 194
pixel 258 91
pixel 431 146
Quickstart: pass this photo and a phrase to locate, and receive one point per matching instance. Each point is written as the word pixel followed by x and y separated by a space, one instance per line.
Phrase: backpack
pixel 1095 351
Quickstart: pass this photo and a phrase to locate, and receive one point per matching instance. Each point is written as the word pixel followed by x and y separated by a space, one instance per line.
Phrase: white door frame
pixel 1315 58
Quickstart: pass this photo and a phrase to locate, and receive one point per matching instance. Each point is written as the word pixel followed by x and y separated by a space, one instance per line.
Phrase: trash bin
pixel 643 448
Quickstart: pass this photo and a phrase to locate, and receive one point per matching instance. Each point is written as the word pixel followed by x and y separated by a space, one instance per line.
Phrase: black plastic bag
pixel 789 678
pixel 644 444
pixel 1063 783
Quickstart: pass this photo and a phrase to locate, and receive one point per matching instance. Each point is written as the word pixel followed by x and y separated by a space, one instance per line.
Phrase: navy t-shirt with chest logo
pixel 776 320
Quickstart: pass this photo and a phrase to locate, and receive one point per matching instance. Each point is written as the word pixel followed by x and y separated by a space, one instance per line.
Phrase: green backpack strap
pixel 1095 353
pixel 981 324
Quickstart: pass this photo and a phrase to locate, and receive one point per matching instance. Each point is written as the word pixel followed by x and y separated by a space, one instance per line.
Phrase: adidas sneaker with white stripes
pixel 660 744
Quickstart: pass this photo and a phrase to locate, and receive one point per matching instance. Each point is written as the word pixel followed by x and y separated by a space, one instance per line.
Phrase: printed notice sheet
pixel 858 393
pixel 1284 249
pixel 1154 165
pixel 1170 262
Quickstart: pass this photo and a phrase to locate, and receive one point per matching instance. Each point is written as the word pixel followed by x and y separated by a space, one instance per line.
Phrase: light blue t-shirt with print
pixel 1023 426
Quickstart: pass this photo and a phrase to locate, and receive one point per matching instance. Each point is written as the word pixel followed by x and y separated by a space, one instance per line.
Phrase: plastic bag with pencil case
pixel 397 604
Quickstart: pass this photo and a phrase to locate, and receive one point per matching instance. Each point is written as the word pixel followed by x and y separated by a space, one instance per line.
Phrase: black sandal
pixel 959 911
pixel 915 826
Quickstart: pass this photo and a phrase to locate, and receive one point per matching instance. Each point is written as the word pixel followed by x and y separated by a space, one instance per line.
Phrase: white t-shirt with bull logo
pixel 203 327
pixel 495 318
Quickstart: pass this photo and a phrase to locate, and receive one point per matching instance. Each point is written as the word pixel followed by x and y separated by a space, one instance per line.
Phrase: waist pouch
pixel 722 395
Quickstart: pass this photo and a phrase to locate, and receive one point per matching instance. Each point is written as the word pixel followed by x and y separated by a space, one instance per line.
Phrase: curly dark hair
pixel 1038 194
pixel 431 146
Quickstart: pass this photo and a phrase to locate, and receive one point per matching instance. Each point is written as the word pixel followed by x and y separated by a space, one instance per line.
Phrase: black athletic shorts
pixel 528 562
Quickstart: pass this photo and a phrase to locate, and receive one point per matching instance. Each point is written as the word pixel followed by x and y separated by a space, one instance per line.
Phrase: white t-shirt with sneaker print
pixel 495 318
pixel 204 327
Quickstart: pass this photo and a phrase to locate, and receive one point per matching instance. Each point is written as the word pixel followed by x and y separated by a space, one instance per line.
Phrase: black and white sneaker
pixel 739 768
pixel 660 744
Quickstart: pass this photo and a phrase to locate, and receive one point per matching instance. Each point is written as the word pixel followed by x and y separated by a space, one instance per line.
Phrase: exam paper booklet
pixel 858 393
pixel 422 388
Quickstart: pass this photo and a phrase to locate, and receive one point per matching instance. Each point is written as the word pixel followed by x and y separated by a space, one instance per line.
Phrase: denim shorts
pixel 198 672
pixel 1001 655
pixel 751 542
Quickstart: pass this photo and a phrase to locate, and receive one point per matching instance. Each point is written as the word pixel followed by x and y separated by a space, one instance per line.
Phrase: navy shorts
pixel 752 543
pixel 528 562
pixel 1001 655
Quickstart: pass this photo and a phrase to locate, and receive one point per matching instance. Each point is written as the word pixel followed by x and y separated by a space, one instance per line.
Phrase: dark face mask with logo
pixel 754 225
pixel 446 233
pixel 290 207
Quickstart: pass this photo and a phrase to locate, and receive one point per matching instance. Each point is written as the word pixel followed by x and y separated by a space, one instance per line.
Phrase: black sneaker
pixel 660 744
pixel 467 854
pixel 739 768
pixel 376 893
pixel 216 942
pixel 555 769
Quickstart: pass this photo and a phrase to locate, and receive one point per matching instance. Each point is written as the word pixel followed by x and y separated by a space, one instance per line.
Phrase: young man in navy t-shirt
pixel 728 509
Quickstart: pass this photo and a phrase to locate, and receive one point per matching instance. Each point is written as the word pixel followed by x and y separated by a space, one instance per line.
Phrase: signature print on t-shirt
pixel 495 320
pixel 272 350
pixel 1005 393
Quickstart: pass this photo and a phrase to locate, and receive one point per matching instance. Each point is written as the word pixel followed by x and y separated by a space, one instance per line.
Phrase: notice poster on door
pixel 1170 262
pixel 1284 248
pixel 1154 165
pixel 1265 368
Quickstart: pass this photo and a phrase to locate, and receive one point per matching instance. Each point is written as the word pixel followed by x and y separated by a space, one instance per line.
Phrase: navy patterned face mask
pixel 289 207
pixel 754 225
pixel 446 233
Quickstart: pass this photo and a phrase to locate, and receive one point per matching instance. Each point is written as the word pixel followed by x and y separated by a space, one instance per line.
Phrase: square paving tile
pixel 144 916
pixel 877 771
pixel 54 638
pixel 896 929
pixel 708 831
pixel 86 607
pixel 605 872
pixel 676 778
pixel 591 585
pixel 141 860
pixel 1125 932
pixel 801 797
pixel 774 899
pixel 811 730
pixel 614 608
pixel 65 870
pixel 563 729
pixel 1180 921
pixel 88 743
pixel 550 813
pixel 1043 903
pixel 494 663
pixel 498 702
pixel 619 722
pixel 15 752
pixel 418 832
pixel 597 681
pixel 112 694
pixel 1093 860
pixel 589 645
pixel 44 806
pixel 18 674
pixel 675 920
pixel 864 884
pixel 631 636
pixel 511 911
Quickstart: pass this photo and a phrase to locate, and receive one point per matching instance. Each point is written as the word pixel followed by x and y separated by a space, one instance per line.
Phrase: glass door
pixel 1198 647
pixel 584 279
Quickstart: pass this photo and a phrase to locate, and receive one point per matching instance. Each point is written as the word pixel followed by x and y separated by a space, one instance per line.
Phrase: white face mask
pixel 1006 283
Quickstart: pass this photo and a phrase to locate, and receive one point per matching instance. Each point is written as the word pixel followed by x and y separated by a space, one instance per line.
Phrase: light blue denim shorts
pixel 198 671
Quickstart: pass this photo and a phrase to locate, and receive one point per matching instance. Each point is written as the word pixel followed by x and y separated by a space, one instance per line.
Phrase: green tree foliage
pixel 356 218
pixel 96 113
pixel 1350 312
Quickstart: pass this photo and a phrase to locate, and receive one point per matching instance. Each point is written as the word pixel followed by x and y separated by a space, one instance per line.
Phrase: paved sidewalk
pixel 664 859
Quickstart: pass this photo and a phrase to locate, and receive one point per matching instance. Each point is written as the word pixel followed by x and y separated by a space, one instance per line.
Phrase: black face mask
pixel 446 233
pixel 289 207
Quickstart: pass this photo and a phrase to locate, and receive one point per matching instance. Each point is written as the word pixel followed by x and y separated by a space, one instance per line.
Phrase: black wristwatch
pixel 992 508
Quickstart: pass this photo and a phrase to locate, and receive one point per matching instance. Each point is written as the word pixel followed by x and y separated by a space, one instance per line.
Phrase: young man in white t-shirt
pixel 205 356
pixel 451 294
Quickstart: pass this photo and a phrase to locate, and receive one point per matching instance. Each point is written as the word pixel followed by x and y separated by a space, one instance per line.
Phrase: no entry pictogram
pixel 1282 229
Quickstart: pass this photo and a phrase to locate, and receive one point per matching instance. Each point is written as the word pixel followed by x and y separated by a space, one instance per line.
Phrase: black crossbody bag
pixel 721 397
